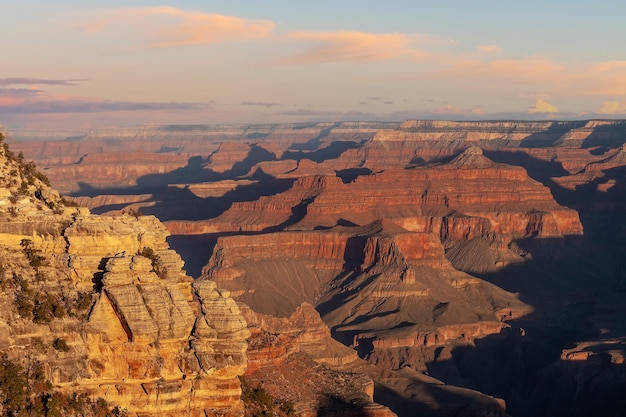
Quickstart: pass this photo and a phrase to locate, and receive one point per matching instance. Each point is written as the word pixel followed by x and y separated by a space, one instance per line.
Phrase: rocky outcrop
pixel 103 304
pixel 295 360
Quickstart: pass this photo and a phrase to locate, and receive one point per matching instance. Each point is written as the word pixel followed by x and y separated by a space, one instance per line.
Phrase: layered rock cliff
pixel 103 305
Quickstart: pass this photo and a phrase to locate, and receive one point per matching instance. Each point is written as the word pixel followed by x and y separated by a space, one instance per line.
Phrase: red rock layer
pixel 504 197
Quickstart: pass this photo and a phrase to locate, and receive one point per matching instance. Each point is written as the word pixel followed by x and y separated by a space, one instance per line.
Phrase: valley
pixel 419 268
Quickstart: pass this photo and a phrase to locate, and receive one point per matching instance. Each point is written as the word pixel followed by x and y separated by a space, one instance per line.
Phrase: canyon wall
pixel 470 252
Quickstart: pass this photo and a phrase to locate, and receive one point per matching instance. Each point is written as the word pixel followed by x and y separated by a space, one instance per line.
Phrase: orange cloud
pixel 170 26
pixel 612 107
pixel 522 70
pixel 489 49
pixel 542 106
pixel 553 77
pixel 358 47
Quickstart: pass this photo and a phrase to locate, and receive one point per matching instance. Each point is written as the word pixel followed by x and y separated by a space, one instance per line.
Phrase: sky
pixel 79 65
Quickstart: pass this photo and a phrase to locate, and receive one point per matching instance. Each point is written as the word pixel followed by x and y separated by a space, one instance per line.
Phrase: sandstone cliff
pixel 103 305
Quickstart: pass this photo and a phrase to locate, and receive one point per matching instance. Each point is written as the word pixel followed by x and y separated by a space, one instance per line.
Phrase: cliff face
pixel 103 305
pixel 438 198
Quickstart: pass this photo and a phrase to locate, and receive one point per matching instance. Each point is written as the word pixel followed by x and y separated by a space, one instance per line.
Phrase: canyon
pixel 431 267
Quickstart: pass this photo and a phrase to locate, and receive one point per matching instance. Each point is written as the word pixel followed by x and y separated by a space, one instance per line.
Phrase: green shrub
pixel 34 259
pixel 288 408
pixel 83 301
pixel 13 387
pixel 46 308
pixel 60 345
pixel 30 394
pixel 24 305
pixel 157 263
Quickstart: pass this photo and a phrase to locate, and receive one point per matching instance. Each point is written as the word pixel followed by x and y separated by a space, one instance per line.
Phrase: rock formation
pixel 480 254
pixel 103 305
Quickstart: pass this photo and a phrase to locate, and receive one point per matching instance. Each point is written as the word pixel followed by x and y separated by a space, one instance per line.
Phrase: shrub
pixel 34 259
pixel 7 152
pixel 23 298
pixel 135 213
pixel 23 188
pixel 46 308
pixel 38 344
pixel 83 301
pixel 14 387
pixel 28 393
pixel 60 345
pixel 157 263
pixel 288 408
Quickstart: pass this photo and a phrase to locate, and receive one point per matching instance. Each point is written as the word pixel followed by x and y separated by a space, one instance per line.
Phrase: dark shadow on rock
pixel 416 160
pixel 334 406
pixel 314 143
pixel 257 154
pixel 298 212
pixel 98 276
pixel 436 401
pixel 351 174
pixel 537 169
pixel 552 136
pixel 564 281
pixel 196 250
pixel 606 136
pixel 528 372
pixel 332 151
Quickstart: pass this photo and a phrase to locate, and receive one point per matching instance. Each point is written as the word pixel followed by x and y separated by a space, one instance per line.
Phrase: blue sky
pixel 71 64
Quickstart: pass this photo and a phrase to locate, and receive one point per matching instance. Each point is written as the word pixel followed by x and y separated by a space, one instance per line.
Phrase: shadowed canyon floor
pixel 466 268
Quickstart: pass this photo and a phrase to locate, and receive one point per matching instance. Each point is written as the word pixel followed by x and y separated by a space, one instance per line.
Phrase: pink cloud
pixel 349 46
pixel 552 77
pixel 170 26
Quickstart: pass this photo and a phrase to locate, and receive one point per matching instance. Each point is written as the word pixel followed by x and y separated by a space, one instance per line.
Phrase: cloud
pixel 320 115
pixel 346 46
pixel 533 96
pixel 381 100
pixel 161 27
pixel 33 101
pixel 18 96
pixel 38 81
pixel 534 69
pixel 612 107
pixel 542 106
pixel 259 103
pixel 489 49
pixel 552 77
